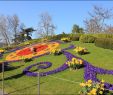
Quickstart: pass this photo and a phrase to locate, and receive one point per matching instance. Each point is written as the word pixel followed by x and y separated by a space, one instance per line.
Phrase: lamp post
pixel 3 78
pixel 38 83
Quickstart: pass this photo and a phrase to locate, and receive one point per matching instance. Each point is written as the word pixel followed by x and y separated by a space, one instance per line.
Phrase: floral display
pixel 75 63
pixel 80 50
pixel 2 51
pixel 59 69
pixel 29 73
pixel 40 49
pixel 92 88
pixel 65 39
pixel 56 51
pixel 90 71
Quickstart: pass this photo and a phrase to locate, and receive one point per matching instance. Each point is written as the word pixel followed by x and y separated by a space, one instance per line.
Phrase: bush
pixel 75 37
pixel 59 36
pixel 106 43
pixel 87 39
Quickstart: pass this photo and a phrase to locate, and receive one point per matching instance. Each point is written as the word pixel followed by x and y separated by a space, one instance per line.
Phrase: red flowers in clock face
pixel 27 51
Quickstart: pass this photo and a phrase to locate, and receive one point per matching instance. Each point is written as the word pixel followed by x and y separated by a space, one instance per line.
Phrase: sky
pixel 64 13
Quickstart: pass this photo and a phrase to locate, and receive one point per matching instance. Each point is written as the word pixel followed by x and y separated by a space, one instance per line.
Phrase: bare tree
pixel 4 30
pixel 45 26
pixel 13 24
pixel 96 23
pixel 109 29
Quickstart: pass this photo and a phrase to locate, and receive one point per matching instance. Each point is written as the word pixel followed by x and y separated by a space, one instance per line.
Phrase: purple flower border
pixel 59 69
pixel 90 71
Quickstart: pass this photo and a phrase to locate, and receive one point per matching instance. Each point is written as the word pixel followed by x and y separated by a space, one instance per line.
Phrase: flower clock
pixel 27 52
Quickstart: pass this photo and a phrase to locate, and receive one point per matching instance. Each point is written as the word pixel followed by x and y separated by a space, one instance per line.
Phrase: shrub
pixel 75 37
pixel 106 43
pixel 87 39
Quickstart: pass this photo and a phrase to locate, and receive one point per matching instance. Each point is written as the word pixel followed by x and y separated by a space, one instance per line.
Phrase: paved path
pixel 1 92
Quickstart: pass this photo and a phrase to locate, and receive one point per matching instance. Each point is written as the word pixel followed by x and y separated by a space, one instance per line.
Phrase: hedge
pixel 87 38
pixel 106 43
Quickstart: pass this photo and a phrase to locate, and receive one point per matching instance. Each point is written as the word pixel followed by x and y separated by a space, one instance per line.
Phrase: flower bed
pixel 59 69
pixel 92 88
pixel 41 49
pixel 65 39
pixel 75 63
pixel 90 71
pixel 80 50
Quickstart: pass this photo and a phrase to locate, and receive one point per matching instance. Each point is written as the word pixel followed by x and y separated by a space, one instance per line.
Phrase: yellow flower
pixel 100 92
pixel 93 91
pixel 73 59
pixel 82 84
pixel 81 62
pixel 102 88
pixel 1 50
pixel 88 84
pixel 76 61
pixel 89 81
pixel 97 86
pixel 102 81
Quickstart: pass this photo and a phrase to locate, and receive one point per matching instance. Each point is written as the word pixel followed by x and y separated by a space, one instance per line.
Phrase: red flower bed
pixel 28 51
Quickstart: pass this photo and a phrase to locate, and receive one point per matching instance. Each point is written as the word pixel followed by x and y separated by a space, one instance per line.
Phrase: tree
pixel 13 23
pixel 4 33
pixel 46 27
pixel 77 29
pixel 97 21
pixel 28 33
pixel 109 29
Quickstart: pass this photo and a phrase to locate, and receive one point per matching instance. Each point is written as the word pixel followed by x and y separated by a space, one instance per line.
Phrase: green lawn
pixel 16 83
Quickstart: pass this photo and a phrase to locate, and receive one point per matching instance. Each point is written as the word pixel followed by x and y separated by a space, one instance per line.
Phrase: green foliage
pixel 77 29
pixel 106 43
pixel 87 39
pixel 103 35
pixel 75 37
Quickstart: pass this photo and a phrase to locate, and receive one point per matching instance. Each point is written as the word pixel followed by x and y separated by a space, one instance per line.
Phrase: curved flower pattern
pixel 90 71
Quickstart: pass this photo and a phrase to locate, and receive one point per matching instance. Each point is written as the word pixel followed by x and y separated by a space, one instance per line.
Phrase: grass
pixel 16 83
